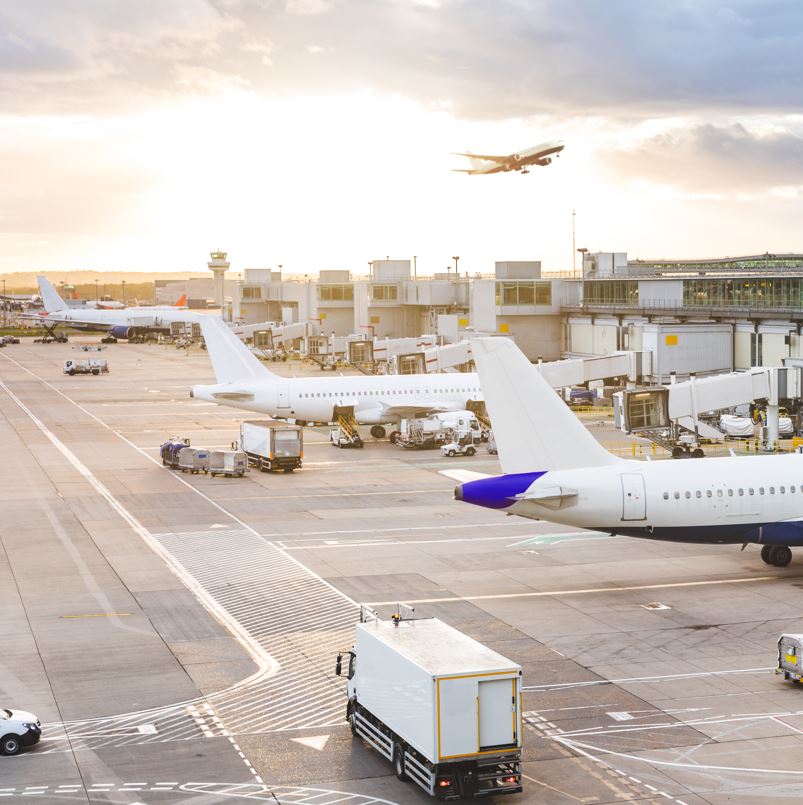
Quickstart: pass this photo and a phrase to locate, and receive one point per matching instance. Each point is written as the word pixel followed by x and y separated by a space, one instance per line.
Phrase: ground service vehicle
pixel 91 366
pixel 464 446
pixel 272 445
pixel 790 657
pixel 18 728
pixel 228 462
pixel 443 708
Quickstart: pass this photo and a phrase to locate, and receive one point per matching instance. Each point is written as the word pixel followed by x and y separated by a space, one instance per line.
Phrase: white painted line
pixel 588 591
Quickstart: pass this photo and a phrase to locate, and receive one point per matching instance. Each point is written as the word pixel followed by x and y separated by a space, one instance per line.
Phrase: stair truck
pixel 271 445
pixel 443 708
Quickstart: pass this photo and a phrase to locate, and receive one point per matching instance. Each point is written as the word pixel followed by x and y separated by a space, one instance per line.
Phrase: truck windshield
pixel 5 713
pixel 352 664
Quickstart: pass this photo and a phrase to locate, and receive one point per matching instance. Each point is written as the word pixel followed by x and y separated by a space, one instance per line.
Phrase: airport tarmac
pixel 176 634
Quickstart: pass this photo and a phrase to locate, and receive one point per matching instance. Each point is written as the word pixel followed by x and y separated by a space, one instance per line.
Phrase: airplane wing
pixel 410 411
pixel 486 157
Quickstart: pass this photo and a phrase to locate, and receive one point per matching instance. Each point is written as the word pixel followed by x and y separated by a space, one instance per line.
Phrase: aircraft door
pixel 634 500
pixel 284 396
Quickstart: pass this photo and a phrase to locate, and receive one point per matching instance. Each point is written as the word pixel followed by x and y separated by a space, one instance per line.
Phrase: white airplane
pixel 110 304
pixel 123 323
pixel 555 470
pixel 540 155
pixel 244 382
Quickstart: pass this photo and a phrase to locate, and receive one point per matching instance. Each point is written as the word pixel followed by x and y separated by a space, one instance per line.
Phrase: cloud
pixel 712 159
pixel 509 58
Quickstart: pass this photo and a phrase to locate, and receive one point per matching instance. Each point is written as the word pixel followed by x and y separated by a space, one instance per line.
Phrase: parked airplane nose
pixel 458 492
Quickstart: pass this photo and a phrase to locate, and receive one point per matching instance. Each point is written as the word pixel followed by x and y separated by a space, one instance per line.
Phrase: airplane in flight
pixel 124 323
pixel 244 382
pixel 540 155
pixel 555 470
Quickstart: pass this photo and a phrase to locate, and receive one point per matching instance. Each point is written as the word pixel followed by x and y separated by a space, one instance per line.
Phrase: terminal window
pixel 336 293
pixel 523 293
pixel 384 293
pixel 252 292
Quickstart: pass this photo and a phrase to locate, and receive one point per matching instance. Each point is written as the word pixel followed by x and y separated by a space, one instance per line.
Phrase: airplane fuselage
pixel 376 400
pixel 714 500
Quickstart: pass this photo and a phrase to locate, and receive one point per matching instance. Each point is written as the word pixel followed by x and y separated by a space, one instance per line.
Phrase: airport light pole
pixel 456 260
pixel 5 303
pixel 123 283
pixel 96 291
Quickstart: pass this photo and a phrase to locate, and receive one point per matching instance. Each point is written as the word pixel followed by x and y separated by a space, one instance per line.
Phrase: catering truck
pixel 443 708
pixel 272 445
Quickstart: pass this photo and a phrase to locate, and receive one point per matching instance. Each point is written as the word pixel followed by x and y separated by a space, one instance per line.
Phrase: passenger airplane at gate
pixel 540 155
pixel 122 323
pixel 555 470
pixel 244 382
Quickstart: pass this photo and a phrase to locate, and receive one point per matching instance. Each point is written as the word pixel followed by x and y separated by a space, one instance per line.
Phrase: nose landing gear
pixel 777 555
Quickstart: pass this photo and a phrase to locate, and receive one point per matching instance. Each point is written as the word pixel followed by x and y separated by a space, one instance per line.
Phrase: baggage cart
pixel 193 459
pixel 228 462
pixel 790 657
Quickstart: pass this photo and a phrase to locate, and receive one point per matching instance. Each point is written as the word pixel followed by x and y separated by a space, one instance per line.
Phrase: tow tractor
pixel 464 446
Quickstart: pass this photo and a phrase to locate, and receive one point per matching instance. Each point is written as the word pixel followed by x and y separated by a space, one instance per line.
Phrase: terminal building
pixel 701 316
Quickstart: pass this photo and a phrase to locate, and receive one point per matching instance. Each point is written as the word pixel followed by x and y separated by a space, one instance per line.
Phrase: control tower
pixel 218 265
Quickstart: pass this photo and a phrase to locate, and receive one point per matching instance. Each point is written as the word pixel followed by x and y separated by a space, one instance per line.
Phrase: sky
pixel 318 134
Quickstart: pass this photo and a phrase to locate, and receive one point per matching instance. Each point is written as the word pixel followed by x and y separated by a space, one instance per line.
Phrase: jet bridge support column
pixel 773 426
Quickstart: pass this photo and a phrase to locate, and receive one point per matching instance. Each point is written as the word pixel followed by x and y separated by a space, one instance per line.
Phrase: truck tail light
pixel 512 780
pixel 444 782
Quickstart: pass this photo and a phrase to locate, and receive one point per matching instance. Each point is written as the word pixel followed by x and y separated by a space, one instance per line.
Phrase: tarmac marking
pixel 379 543
pixel 405 529
pixel 587 591
pixel 631 679
pixel 97 615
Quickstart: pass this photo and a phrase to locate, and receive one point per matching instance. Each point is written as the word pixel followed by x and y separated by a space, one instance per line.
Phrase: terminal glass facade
pixel 770 292
pixel 252 292
pixel 513 292
pixel 336 293
pixel 610 292
pixel 384 293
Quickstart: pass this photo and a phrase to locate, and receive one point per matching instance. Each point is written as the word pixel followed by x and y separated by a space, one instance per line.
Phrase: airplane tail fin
pixel 50 296
pixel 182 301
pixel 231 359
pixel 534 429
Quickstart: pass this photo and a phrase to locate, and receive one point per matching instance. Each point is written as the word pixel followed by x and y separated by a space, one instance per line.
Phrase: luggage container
pixel 170 449
pixel 790 657
pixel 227 462
pixel 443 708
pixel 193 459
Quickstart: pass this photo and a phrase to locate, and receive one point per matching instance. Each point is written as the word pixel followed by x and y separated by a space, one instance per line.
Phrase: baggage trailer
pixel 790 657
pixel 443 708
pixel 169 450
pixel 193 459
pixel 228 462
pixel 271 445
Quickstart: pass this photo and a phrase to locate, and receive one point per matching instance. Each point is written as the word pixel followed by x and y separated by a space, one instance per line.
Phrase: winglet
pixel 182 301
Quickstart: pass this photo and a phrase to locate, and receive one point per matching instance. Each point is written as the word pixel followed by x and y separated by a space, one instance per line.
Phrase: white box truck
pixel 272 445
pixel 443 708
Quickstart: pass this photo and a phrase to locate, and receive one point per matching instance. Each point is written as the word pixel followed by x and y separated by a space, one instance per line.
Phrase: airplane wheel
pixel 378 432
pixel 765 554
pixel 780 556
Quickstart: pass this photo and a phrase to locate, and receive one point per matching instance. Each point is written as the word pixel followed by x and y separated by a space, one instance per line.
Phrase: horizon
pixel 314 133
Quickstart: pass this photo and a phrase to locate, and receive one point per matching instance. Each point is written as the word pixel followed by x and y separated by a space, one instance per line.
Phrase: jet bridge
pixel 665 414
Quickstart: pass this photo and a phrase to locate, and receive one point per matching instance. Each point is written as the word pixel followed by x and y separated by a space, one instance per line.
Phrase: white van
pixel 17 729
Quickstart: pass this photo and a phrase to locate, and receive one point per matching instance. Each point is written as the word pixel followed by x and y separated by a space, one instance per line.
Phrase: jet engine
pixel 121 331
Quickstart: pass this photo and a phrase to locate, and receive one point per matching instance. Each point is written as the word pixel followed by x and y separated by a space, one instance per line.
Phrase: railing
pixel 677 305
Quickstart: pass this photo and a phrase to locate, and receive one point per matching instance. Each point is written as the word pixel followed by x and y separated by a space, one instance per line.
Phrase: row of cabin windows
pixel 740 492
pixel 391 391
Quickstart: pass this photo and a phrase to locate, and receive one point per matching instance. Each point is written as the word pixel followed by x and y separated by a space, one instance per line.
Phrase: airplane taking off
pixel 124 323
pixel 244 382
pixel 540 155
pixel 555 470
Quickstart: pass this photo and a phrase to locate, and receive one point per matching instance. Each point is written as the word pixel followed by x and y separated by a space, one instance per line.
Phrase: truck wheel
pixel 451 454
pixel 352 721
pixel 398 762
pixel 470 451
pixel 11 744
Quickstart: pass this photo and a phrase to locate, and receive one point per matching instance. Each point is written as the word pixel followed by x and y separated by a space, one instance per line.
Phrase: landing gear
pixel 378 432
pixel 777 555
